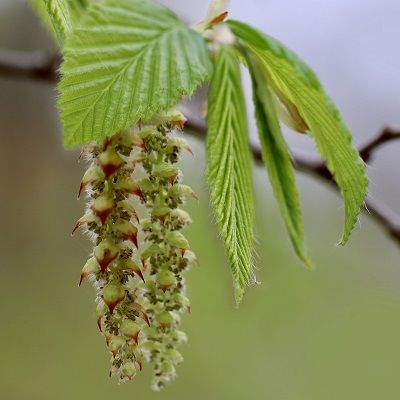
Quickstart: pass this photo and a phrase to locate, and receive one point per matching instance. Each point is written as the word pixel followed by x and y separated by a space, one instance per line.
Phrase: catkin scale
pixel 138 261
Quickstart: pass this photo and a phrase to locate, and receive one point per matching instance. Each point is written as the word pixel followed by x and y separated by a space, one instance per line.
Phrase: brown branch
pixel 36 66
pixel 42 67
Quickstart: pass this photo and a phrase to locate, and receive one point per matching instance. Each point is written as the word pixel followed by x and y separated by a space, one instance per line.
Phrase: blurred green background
pixel 329 334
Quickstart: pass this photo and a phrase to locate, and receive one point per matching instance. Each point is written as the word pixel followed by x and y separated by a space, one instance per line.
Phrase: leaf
pixel 298 88
pixel 59 16
pixel 229 166
pixel 276 157
pixel 127 60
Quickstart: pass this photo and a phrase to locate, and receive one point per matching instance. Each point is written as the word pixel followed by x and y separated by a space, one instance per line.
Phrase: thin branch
pixel 43 67
pixel 30 65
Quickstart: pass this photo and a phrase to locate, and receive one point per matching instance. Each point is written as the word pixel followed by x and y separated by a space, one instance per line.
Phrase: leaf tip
pixel 308 263
pixel 239 293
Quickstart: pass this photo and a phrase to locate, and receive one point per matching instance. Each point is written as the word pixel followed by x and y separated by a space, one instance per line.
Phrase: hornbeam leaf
pixel 230 166
pixel 127 60
pixel 297 87
pixel 276 157
pixel 59 16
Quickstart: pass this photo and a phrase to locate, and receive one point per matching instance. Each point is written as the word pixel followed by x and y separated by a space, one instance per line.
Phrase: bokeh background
pixel 329 334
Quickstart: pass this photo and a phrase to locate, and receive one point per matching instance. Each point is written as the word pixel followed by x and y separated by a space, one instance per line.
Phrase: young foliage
pixel 276 157
pixel 59 16
pixel 229 166
pixel 299 90
pixel 127 60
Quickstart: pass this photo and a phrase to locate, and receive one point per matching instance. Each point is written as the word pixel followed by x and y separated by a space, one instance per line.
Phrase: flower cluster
pixel 139 257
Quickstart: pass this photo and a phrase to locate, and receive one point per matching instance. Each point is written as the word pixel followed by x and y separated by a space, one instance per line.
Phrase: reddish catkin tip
pixel 105 253
pixel 91 267
pixel 112 295
pixel 103 207
pixel 110 161
pixel 131 265
pixel 81 187
pixel 88 217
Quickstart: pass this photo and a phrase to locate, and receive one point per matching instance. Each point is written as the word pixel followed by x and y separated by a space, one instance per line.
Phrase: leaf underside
pixel 230 167
pixel 276 157
pixel 127 60
pixel 293 81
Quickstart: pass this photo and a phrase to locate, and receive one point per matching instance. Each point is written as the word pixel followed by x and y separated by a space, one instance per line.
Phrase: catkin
pixel 134 219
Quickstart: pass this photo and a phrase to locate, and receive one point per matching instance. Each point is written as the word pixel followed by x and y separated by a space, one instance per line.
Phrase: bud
pixel 146 185
pixel 166 280
pixel 182 301
pixel 92 175
pixel 179 337
pixel 160 210
pixel 167 370
pixel 101 310
pixel 191 257
pixel 91 267
pixel 116 343
pixel 182 190
pixel 127 231
pixel 110 161
pixel 179 143
pixel 130 328
pixel 131 139
pixel 173 356
pixel 166 170
pixel 150 346
pixel 103 206
pixel 127 205
pixel 105 253
pixel 174 117
pixel 129 264
pixel 128 370
pixel 128 185
pixel 165 319
pixel 86 219
pixel 148 252
pixel 181 216
pixel 112 295
pixel 148 132
pixel 139 310
pixel 176 239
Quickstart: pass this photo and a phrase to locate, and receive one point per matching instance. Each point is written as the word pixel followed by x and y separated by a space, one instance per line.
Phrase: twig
pixel 42 67
pixel 37 66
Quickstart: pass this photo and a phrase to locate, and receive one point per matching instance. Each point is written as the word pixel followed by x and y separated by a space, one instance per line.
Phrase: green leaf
pixel 230 166
pixel 59 16
pixel 299 90
pixel 276 157
pixel 127 60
